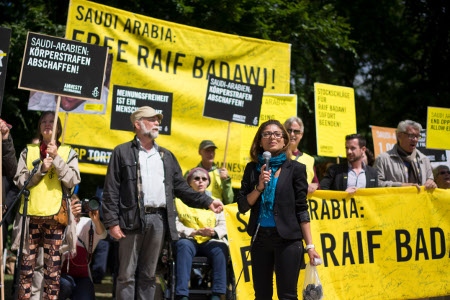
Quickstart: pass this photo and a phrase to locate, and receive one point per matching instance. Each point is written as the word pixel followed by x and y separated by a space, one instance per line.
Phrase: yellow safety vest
pixel 196 218
pixel 308 161
pixel 45 197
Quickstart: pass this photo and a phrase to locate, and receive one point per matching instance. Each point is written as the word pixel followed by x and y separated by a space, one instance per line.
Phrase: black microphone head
pixel 267 155
pixel 36 162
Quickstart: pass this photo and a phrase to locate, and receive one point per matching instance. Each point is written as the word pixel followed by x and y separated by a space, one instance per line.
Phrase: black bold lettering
pixel 120 50
pixel 93 38
pixel 328 250
pixel 371 245
pixel 421 245
pixel 157 60
pixel 245 263
pixel 198 65
pixel 403 245
pixel 224 70
pixel 347 250
pixel 335 209
pixel 243 222
pixel 313 206
pixel 177 62
pixel 142 54
pixel 440 236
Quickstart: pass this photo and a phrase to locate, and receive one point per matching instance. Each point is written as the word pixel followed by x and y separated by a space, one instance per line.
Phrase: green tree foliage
pixel 394 53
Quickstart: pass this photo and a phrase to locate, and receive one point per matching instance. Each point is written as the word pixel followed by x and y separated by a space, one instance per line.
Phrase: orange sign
pixel 384 139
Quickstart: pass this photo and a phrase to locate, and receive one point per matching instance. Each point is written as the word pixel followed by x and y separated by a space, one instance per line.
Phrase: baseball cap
pixel 206 144
pixel 144 112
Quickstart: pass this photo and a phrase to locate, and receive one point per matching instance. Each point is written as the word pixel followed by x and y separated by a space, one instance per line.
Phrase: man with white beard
pixel 141 184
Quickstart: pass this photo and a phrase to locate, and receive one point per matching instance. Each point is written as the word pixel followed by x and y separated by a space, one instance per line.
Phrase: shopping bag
pixel 312 288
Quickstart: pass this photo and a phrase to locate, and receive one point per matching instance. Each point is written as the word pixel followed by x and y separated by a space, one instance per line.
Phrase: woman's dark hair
pixel 256 148
pixel 58 127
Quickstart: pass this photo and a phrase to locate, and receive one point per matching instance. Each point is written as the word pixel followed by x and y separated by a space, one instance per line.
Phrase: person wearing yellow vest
pixel 57 174
pixel 294 126
pixel 220 184
pixel 202 232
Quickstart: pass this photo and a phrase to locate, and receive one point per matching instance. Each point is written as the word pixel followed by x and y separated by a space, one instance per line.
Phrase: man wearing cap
pixel 141 184
pixel 220 186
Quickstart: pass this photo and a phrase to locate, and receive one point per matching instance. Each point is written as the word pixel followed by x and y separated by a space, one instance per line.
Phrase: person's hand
pixel 312 187
pixel 216 206
pixel 52 149
pixel 264 176
pixel 351 190
pixel 223 172
pixel 430 184
pixel 412 184
pixel 116 232
pixel 75 206
pixel 4 128
pixel 46 163
pixel 205 232
pixel 94 215
pixel 312 253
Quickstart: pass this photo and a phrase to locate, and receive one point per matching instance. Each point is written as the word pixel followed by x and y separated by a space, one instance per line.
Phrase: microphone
pixel 36 162
pixel 266 155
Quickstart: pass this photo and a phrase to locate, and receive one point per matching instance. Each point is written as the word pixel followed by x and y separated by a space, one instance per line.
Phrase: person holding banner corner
pixel 57 174
pixel 274 189
pixel 141 184
pixel 404 165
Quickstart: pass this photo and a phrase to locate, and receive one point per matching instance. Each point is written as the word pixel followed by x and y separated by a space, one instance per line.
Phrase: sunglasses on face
pixel 197 178
pixel 296 131
pixel 444 172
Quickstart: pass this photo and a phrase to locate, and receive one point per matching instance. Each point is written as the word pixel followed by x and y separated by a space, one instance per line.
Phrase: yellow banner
pixel 162 56
pixel 382 243
pixel 335 118
pixel 438 128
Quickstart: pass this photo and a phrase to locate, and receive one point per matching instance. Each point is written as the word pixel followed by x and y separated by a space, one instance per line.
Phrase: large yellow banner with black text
pixel 153 57
pixel 381 243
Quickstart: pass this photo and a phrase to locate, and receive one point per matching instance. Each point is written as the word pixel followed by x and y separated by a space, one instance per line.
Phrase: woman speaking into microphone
pixel 279 221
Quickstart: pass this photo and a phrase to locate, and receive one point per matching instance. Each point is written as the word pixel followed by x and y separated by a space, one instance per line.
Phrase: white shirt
pixel 152 174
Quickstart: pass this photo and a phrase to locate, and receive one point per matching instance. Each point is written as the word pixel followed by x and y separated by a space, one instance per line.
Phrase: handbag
pixel 312 288
pixel 62 216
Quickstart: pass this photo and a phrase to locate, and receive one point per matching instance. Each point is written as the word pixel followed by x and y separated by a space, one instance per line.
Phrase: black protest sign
pixel 233 101
pixel 5 39
pixel 127 99
pixel 63 67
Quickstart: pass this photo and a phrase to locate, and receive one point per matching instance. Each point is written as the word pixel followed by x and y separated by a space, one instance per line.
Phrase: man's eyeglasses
pixel 268 134
pixel 202 178
pixel 296 131
pixel 412 136
pixel 444 172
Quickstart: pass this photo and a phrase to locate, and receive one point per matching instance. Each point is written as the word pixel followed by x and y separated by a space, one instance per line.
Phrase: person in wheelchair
pixel 202 233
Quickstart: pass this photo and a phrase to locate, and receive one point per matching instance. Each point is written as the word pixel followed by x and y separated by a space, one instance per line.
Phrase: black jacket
pixel 337 175
pixel 290 207
pixel 121 204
